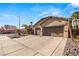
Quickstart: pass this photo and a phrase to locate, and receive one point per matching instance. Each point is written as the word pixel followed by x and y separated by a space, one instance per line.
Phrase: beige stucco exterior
pixel 65 31
pixel 52 26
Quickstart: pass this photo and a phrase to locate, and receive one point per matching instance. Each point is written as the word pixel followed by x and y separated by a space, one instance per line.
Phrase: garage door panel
pixel 55 31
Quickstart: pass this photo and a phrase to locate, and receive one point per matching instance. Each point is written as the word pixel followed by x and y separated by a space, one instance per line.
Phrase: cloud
pixel 51 11
pixel 73 7
pixel 7 15
pixel 37 7
pixel 75 4
pixel 55 11
pixel 44 13
pixel 65 12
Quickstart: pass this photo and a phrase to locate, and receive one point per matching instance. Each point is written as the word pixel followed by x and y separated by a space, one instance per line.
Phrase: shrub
pixel 78 38
pixel 18 31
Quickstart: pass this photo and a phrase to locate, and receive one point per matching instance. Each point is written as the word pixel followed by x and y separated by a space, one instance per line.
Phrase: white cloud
pixel 44 13
pixel 73 7
pixel 37 8
pixel 7 15
pixel 55 11
pixel 75 4
pixel 51 11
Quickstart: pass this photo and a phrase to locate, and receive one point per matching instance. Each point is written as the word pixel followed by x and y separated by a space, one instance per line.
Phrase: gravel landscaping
pixel 71 48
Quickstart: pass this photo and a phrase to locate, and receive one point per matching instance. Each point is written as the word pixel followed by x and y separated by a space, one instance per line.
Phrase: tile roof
pixel 49 17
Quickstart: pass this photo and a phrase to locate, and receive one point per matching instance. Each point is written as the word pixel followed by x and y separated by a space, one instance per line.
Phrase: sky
pixel 33 12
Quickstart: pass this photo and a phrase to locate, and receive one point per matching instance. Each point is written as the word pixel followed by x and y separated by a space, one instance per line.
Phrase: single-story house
pixel 52 26
pixel 7 29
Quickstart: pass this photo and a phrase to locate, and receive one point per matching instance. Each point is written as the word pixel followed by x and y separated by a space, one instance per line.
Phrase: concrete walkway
pixel 32 46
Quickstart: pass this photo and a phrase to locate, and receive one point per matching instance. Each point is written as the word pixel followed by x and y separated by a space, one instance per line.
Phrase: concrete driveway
pixel 32 46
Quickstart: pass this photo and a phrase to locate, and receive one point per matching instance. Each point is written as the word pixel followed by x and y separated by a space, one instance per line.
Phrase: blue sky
pixel 33 11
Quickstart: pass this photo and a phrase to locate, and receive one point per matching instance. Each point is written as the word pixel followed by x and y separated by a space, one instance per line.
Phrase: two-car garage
pixel 53 31
pixel 52 26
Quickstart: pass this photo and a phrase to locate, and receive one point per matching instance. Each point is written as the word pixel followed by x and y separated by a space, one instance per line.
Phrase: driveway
pixel 32 45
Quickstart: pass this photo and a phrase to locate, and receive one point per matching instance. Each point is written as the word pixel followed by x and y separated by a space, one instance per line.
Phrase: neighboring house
pixel 52 26
pixel 8 29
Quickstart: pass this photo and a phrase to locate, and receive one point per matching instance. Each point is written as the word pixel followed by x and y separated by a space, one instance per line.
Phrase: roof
pixel 49 17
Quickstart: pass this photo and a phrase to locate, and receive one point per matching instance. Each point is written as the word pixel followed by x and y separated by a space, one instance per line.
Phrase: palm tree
pixel 74 17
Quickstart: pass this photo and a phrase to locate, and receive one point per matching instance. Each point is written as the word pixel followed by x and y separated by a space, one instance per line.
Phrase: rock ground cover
pixel 71 48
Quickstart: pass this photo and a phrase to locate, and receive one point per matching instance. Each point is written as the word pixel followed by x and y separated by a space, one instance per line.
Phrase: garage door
pixel 54 31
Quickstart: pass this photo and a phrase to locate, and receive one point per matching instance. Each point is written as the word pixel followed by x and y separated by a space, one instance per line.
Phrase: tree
pixel 31 23
pixel 74 17
pixel 26 27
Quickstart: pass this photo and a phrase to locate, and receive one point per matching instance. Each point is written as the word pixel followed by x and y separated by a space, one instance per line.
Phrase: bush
pixel 18 31
pixel 78 38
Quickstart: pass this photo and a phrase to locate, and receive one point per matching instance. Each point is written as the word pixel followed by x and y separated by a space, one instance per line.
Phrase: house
pixel 7 29
pixel 52 26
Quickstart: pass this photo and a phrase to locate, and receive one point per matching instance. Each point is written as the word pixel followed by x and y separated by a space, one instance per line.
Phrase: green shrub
pixel 18 31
